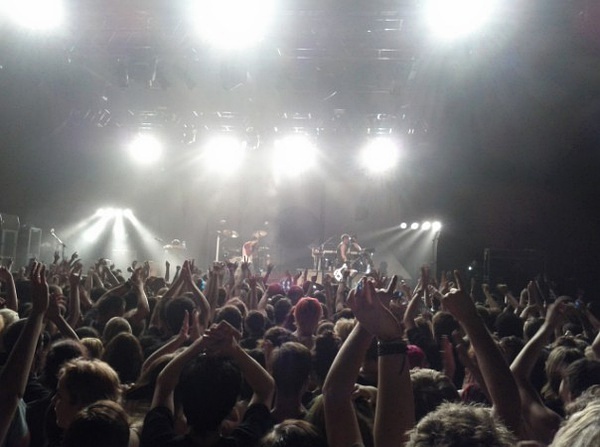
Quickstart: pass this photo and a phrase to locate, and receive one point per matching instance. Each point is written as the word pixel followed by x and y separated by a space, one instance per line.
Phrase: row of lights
pixel 226 153
pixel 239 24
pixel 425 226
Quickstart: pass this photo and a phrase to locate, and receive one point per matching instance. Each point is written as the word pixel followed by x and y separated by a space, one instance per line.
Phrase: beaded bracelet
pixel 391 347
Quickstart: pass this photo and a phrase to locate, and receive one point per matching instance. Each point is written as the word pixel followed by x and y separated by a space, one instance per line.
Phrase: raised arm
pixel 74 311
pixel 496 373
pixel 142 310
pixel 16 370
pixel 222 340
pixel 340 417
pixel 541 423
pixel 12 302
pixel 395 413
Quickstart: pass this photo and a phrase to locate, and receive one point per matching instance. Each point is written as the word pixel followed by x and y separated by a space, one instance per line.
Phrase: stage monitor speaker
pixel 10 234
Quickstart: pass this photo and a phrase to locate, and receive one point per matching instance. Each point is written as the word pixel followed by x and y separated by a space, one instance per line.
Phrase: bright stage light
pixel 224 153
pixel 414 226
pixel 403 226
pixel 294 155
pixel 379 155
pixel 453 19
pixel 426 225
pixel 92 234
pixel 233 24
pixel 145 149
pixel 35 14
pixel 436 226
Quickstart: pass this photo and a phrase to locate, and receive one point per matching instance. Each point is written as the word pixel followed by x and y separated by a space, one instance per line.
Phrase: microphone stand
pixel 59 241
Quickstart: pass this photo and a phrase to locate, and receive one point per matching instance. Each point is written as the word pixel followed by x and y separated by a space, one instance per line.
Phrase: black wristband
pixel 391 347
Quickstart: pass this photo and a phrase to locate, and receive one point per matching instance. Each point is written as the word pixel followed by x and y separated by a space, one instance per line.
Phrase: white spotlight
pixel 452 19
pixel 92 234
pixel 426 225
pixel 38 15
pixel 379 155
pixel 436 226
pixel 414 226
pixel 293 156
pixel 233 24
pixel 403 226
pixel 224 153
pixel 145 149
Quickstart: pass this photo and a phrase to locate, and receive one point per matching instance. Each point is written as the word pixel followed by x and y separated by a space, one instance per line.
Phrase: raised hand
pixel 221 339
pixel 368 306
pixel 39 289
pixel 457 302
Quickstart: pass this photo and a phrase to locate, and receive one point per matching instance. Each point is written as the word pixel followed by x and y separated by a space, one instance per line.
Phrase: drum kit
pixel 231 251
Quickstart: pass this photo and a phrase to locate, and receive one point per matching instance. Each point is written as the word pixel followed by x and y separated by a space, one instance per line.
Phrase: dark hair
pixel 507 324
pixel 124 354
pixel 294 433
pixel 281 309
pixel 291 368
pixel 60 351
pixel 278 336
pixel 87 332
pixel 231 314
pixel 175 310
pixel 101 424
pixel 208 389
pixel 254 323
pixel 580 375
pixel 112 305
pixel 327 345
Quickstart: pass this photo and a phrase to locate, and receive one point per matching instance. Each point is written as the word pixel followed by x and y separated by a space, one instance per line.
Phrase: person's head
pixel 87 332
pixel 281 310
pixel 111 306
pixel 508 324
pixel 295 293
pixel 291 365
pixel 232 315
pixel 588 397
pixel 326 348
pixel 294 433
pixel 444 324
pixel 459 425
pixel 60 352
pixel 558 359
pixel 431 388
pixel 343 327
pixel 582 429
pixel 307 314
pixel 80 383
pixel 175 311
pixel 531 326
pixel 254 324
pixel 114 327
pixel 510 347
pixel 124 354
pixel 208 389
pixel 101 424
pixel 95 347
pixel 345 238
pixel 578 377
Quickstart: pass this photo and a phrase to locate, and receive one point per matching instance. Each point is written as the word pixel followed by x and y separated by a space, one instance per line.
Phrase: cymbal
pixel 260 233
pixel 230 233
pixel 263 248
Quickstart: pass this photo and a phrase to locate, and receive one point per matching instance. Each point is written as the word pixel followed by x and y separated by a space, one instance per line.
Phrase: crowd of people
pixel 230 357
